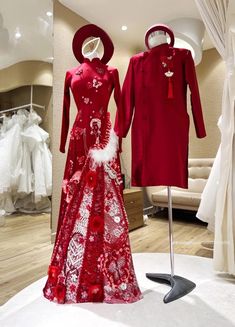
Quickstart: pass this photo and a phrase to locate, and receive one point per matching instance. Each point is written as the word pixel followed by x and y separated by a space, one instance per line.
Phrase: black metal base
pixel 180 286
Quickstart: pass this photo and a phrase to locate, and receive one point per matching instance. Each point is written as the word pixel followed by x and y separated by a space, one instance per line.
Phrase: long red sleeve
pixel 191 79
pixel 118 101
pixel 128 101
pixel 65 113
pixel 117 98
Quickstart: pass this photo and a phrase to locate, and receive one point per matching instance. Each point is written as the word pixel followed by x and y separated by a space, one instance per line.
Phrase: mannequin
pixel 93 44
pixel 154 104
pixel 180 286
pixel 92 232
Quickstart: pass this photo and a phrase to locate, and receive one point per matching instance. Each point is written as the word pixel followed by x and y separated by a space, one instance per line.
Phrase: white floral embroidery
pixel 112 267
pixel 86 100
pixel 121 262
pixel 117 232
pixel 96 84
pixel 84 212
pixel 107 288
pixel 74 278
pixel 114 209
pixel 111 172
pixel 84 295
pixel 91 238
pixel 169 73
pixel 123 286
pixel 117 219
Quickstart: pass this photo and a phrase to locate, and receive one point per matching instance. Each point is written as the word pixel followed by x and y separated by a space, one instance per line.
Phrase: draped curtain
pixel 218 17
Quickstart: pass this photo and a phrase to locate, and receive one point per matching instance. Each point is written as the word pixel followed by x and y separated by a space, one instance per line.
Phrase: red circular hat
pixel 92 30
pixel 159 27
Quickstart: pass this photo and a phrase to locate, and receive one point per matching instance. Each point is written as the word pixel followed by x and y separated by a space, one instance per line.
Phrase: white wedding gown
pixel 11 159
pixel 25 165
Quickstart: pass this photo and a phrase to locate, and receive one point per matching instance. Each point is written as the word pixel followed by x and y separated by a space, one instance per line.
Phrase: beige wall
pixel 210 73
pixel 43 96
pixel 26 73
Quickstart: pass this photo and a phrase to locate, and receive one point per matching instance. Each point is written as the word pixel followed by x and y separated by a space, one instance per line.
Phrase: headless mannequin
pixel 93 46
pixel 156 38
pixel 179 286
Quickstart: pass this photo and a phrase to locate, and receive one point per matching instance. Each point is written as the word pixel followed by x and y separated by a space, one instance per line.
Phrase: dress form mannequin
pixel 93 46
pixel 180 286
pixel 156 38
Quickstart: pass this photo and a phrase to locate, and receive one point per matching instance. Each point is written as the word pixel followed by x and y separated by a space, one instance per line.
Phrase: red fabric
pixel 91 85
pixel 170 89
pixel 160 122
pixel 92 250
pixel 92 99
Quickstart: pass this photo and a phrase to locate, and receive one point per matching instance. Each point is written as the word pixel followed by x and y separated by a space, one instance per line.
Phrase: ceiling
pixel 137 15
pixel 36 42
pixel 29 17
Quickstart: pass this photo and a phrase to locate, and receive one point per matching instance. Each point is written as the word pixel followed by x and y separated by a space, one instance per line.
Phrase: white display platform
pixel 211 304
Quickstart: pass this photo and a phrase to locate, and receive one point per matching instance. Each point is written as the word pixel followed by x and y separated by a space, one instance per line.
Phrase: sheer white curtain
pixel 218 16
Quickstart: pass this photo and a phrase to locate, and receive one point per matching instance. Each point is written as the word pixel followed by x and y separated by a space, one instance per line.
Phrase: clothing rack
pixel 25 106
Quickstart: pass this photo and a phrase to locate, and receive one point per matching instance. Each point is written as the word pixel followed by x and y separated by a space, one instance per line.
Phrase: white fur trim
pixel 108 152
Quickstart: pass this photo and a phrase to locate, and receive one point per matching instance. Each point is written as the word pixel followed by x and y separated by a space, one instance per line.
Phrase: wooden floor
pixel 25 246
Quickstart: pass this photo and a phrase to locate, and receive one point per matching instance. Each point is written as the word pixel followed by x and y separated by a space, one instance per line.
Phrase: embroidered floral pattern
pixel 100 70
pixel 79 71
pixel 86 100
pixel 76 133
pixel 96 270
pixel 96 84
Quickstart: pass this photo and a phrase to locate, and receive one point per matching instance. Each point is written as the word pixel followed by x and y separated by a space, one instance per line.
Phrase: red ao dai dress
pixel 91 260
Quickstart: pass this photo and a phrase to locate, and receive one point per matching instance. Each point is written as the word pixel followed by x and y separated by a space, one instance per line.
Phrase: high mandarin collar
pixel 95 60
pixel 160 47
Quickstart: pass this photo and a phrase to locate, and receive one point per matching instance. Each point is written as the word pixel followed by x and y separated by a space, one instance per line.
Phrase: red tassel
pixel 170 89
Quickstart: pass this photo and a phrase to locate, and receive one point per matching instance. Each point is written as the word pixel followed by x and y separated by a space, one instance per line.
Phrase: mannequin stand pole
pixel 180 286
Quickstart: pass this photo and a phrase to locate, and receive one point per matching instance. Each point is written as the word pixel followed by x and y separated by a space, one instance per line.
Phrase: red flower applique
pixel 53 273
pixel 91 178
pixel 60 292
pixel 97 224
pixel 95 293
